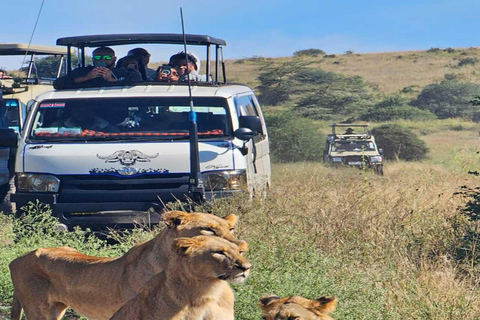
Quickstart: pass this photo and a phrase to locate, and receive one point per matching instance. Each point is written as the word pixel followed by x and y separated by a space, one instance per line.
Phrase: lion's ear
pixel 325 305
pixel 173 219
pixel 185 246
pixel 266 300
pixel 231 219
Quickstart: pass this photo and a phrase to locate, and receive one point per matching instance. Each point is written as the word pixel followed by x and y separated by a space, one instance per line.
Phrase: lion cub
pixel 194 285
pixel 298 308
pixel 49 280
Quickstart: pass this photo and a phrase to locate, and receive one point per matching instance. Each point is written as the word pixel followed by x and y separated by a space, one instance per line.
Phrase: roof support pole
pixel 69 59
pixel 207 72
pixel 217 61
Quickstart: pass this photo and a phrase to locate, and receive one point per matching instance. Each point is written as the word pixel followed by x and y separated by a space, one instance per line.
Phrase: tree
pixel 309 52
pixel 47 67
pixel 399 142
pixel 276 82
pixel 330 95
pixel 448 99
pixel 293 138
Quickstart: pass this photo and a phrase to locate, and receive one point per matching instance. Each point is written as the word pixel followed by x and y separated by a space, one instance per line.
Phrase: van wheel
pixel 379 170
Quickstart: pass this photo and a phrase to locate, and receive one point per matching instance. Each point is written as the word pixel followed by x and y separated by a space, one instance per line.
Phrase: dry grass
pixel 389 72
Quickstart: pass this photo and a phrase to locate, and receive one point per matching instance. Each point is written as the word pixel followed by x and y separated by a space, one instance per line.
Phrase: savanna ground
pixel 389 247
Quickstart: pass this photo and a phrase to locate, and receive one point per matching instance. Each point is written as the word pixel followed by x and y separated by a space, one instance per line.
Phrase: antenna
pixel 195 185
pixel 30 42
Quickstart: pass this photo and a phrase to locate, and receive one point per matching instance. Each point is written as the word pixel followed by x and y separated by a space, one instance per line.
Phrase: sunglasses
pixel 105 57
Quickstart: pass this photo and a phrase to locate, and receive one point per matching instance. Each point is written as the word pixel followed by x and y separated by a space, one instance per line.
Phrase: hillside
pixel 389 72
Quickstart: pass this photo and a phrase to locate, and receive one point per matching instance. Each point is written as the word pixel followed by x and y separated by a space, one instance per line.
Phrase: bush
pixel 309 53
pixel 466 61
pixel 394 108
pixel 293 138
pixel 399 142
pixel 448 99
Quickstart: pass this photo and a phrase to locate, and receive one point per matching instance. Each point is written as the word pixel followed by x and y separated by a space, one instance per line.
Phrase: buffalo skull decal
pixel 127 158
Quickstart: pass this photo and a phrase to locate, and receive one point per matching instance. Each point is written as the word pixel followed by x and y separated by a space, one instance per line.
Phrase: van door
pixel 258 157
pixel 12 116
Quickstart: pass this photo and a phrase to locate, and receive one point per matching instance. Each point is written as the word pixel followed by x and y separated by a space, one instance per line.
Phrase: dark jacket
pixel 67 82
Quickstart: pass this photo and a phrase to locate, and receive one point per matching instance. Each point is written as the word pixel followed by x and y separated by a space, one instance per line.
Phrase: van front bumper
pixel 106 214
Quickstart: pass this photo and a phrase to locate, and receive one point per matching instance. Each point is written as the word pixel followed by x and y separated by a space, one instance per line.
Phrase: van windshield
pixel 128 119
pixel 347 145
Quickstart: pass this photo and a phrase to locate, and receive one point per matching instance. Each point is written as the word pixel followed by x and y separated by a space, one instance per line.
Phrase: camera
pixel 166 69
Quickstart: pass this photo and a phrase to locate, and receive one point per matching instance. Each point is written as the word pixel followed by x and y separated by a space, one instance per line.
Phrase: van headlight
pixel 31 182
pixel 336 159
pixel 225 180
pixel 376 159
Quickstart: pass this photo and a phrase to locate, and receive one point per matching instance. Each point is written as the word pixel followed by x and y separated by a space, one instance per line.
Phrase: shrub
pixel 309 53
pixel 293 138
pixel 433 50
pixel 393 108
pixel 399 142
pixel 466 61
pixel 348 52
pixel 448 99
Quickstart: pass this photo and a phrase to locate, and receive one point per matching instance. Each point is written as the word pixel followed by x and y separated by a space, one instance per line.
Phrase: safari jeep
pixel 352 145
pixel 15 95
pixel 155 145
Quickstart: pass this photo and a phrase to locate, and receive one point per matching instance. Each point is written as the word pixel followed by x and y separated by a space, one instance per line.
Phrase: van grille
pixel 109 188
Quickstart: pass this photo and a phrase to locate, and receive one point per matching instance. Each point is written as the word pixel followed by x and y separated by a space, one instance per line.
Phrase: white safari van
pixel 105 156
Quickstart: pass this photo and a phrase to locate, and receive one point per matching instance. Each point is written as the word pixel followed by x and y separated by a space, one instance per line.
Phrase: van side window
pixel 246 106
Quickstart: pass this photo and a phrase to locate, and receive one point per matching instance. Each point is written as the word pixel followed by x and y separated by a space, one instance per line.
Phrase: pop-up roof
pixel 82 42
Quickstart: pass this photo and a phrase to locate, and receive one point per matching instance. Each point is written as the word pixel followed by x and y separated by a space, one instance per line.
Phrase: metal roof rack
pixel 20 49
pixel 88 41
pixel 124 39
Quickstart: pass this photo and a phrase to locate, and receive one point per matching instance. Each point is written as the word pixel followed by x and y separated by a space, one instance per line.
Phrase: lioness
pixel 296 308
pixel 193 285
pixel 48 280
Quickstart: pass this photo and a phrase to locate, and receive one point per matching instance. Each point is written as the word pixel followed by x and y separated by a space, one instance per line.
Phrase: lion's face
pixel 195 224
pixel 296 308
pixel 213 257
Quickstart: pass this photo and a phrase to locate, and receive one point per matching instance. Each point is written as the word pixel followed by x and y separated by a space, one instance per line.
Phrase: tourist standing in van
pixel 103 63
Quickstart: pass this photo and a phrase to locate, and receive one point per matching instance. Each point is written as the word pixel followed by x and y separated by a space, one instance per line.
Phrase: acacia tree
pixel 330 95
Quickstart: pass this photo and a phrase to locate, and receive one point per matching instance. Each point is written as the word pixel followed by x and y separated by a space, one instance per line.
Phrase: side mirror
pixel 244 134
pixel 8 138
pixel 380 150
pixel 251 122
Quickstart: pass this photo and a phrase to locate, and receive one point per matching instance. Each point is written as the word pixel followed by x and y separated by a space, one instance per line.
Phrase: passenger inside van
pixel 81 118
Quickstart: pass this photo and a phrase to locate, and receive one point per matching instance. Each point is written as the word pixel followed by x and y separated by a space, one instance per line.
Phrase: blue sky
pixel 254 28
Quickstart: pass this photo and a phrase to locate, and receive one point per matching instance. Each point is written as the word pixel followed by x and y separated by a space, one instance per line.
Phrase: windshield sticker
pixel 52 105
pixel 70 130
pixel 46 130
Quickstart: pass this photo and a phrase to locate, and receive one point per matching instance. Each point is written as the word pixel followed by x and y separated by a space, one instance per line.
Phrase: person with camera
pixel 103 64
pixel 144 59
pixel 3 75
pixel 166 73
pixel 181 62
